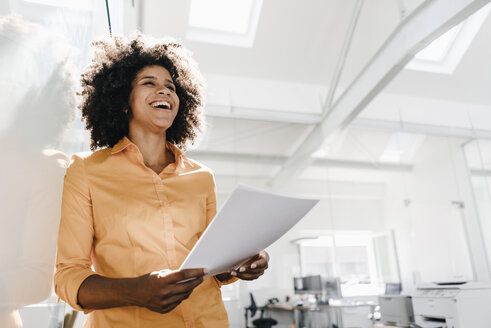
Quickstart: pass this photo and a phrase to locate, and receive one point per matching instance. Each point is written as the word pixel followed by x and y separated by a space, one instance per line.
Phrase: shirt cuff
pixel 73 285
pixel 226 282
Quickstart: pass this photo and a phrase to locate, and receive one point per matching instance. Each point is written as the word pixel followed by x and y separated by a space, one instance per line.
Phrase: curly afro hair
pixel 107 84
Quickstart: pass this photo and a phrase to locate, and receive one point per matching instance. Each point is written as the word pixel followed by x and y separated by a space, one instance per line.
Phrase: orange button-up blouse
pixel 121 219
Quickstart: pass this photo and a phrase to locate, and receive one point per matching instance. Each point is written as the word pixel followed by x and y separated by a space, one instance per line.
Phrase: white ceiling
pixel 294 57
pixel 300 41
pixel 297 41
pixel 262 101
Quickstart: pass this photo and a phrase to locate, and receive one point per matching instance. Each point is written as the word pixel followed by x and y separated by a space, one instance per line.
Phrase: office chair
pixel 261 322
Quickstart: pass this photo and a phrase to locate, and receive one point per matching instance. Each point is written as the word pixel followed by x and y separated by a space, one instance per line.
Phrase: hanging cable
pixel 335 270
pixel 109 19
pixel 481 157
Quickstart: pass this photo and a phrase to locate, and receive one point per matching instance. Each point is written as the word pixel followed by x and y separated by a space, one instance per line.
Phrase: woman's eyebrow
pixel 154 78
pixel 148 77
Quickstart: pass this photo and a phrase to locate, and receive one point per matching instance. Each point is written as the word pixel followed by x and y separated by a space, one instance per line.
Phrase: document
pixel 251 220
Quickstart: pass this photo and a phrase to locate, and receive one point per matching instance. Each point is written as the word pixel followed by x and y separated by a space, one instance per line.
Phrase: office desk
pixel 302 313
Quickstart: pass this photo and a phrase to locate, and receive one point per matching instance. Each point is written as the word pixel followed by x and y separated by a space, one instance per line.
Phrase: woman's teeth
pixel 161 104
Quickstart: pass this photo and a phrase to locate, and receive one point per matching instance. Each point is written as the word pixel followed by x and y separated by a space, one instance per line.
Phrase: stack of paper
pixel 251 220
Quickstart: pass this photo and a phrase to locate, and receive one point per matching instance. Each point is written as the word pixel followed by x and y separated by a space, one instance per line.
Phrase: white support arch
pixel 426 23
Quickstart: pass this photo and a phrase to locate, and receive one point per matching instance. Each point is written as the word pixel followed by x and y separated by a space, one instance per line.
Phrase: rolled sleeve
pixel 76 234
pixel 226 282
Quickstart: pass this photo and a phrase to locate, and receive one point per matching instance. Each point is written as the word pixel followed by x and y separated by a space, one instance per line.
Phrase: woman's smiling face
pixel 153 100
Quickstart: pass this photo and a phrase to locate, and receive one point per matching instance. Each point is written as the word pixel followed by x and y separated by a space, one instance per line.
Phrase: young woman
pixel 132 211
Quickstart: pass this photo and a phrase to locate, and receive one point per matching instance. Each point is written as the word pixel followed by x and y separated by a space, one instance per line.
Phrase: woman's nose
pixel 163 91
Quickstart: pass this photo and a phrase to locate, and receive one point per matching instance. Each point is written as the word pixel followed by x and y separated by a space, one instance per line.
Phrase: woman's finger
pixel 259 260
pixel 264 254
pixel 261 263
pixel 249 276
pixel 250 269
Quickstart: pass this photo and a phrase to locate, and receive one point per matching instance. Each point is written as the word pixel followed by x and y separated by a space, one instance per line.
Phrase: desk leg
pixel 296 318
pixel 339 317
pixel 299 316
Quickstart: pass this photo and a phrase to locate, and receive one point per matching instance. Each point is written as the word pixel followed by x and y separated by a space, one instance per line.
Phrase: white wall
pixel 429 229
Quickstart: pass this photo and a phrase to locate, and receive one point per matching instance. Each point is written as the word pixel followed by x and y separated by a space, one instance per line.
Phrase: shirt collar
pixel 182 163
pixel 121 145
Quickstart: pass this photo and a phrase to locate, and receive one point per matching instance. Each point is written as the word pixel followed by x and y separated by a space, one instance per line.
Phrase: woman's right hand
pixel 161 291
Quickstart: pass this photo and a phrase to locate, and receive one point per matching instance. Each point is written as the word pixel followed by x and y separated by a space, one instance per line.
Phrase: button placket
pixel 159 187
pixel 169 235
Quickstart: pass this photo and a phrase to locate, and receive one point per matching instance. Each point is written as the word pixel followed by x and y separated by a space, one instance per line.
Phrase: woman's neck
pixel 152 147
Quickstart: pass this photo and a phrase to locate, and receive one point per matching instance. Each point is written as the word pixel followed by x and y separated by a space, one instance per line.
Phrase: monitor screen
pixel 308 284
pixel 393 288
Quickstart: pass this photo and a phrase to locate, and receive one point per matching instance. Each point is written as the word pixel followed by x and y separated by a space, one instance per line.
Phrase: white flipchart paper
pixel 251 220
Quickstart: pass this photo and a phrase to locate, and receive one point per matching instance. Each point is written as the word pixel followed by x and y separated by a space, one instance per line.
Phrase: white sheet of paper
pixel 251 220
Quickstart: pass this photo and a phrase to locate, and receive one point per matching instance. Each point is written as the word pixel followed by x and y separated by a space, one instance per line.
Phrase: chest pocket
pixel 189 219
pixel 110 222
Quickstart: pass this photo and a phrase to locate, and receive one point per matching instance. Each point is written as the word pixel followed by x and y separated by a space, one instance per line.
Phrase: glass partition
pixel 478 157
pixel 49 313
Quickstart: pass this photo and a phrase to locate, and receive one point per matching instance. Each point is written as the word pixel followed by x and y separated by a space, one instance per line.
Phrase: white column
pixel 472 224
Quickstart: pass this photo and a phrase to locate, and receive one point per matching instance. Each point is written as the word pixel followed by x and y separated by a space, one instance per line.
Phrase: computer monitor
pixel 308 285
pixel 393 288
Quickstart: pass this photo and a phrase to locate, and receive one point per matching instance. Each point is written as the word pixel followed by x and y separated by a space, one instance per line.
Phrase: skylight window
pixel 226 22
pixel 445 53
pixel 438 49
pixel 204 14
pixel 401 147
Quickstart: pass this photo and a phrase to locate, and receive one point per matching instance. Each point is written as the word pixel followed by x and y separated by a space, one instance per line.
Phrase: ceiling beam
pixel 365 123
pixel 425 24
pixel 419 128
pixel 279 160
pixel 236 157
pixel 362 165
pixel 481 172
pixel 310 188
pixel 261 114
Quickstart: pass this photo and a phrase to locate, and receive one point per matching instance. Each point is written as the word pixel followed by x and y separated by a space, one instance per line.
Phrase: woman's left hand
pixel 253 268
